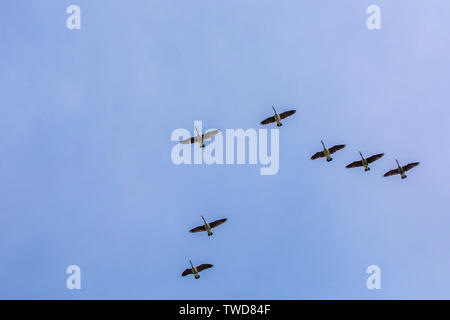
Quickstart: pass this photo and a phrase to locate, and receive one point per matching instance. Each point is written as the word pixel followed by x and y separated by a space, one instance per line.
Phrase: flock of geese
pixel 325 153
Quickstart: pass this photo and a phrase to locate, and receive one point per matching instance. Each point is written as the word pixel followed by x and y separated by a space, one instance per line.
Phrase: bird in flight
pixel 200 138
pixel 277 117
pixel 365 162
pixel 195 270
pixel 208 226
pixel 327 152
pixel 401 170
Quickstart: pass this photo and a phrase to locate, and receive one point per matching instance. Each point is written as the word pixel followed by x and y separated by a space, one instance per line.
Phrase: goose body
pixel 327 152
pixel 365 162
pixel 200 138
pixel 208 226
pixel 401 169
pixel 278 117
pixel 195 270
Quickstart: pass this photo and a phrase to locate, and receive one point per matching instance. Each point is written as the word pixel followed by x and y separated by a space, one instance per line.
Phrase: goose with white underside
pixel 327 152
pixel 401 170
pixel 278 117
pixel 208 226
pixel 200 138
pixel 195 270
pixel 365 162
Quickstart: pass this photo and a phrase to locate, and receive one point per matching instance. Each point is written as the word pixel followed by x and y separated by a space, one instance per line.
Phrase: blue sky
pixel 86 174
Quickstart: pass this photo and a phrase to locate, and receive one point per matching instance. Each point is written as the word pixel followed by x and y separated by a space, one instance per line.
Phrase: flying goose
pixel 277 117
pixel 327 152
pixel 195 270
pixel 401 170
pixel 200 138
pixel 208 226
pixel 365 162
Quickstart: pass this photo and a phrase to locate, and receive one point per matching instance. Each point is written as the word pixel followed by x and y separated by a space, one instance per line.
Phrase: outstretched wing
pixel 391 173
pixel 355 164
pixel 204 266
pixel 374 158
pixel 186 272
pixel 210 134
pixel 333 149
pixel 198 229
pixel 190 140
pixel 217 222
pixel 318 155
pixel 409 166
pixel 287 114
pixel 268 120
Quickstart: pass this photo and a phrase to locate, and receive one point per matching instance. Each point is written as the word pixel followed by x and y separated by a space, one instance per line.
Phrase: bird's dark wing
pixel 268 120
pixel 204 266
pixel 355 164
pixel 190 140
pixel 287 114
pixel 217 222
pixel 333 149
pixel 391 173
pixel 198 229
pixel 186 272
pixel 374 158
pixel 409 166
pixel 318 155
